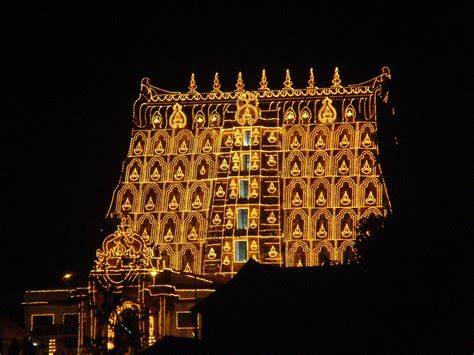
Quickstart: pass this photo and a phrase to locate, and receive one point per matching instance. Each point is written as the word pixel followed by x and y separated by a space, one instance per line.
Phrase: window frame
pixel 236 249
pixel 247 167
pixel 237 225
pixel 191 315
pixel 245 133
pixel 240 188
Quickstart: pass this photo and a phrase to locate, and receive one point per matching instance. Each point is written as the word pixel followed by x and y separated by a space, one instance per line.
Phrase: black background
pixel 70 75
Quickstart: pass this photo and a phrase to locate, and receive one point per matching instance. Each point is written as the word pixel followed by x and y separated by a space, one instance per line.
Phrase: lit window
pixel 240 251
pixel 246 162
pixel 242 218
pixel 244 189
pixel 247 137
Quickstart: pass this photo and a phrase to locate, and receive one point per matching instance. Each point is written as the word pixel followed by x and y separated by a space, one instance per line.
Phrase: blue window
pixel 244 189
pixel 242 218
pixel 246 162
pixel 240 251
pixel 247 137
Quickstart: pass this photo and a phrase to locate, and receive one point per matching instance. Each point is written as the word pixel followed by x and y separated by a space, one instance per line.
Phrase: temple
pixel 214 178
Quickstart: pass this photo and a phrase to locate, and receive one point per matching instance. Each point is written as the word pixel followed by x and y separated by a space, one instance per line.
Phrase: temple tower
pixel 281 176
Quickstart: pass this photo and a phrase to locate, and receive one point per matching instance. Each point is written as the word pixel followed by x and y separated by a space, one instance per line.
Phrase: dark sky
pixel 71 74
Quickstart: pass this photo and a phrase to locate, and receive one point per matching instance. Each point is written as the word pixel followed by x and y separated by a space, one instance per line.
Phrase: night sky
pixel 70 76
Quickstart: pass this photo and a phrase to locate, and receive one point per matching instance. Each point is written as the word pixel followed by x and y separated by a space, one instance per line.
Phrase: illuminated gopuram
pixel 213 179
pixel 281 176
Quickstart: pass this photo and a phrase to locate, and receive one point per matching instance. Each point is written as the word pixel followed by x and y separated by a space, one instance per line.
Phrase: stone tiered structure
pixel 281 176
pixel 213 179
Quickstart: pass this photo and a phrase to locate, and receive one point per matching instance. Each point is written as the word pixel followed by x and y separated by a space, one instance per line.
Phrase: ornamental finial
pixel 336 81
pixel 311 79
pixel 287 81
pixel 263 81
pixel 240 83
pixel 216 85
pixel 192 85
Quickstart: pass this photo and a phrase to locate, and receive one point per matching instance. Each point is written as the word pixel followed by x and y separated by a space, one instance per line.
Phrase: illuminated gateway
pixel 213 179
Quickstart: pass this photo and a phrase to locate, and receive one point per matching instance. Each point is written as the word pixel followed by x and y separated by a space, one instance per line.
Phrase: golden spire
pixel 263 81
pixel 287 81
pixel 336 81
pixel 192 85
pixel 240 83
pixel 216 85
pixel 311 79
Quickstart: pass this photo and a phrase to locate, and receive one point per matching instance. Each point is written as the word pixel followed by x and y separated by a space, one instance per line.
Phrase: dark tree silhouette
pixel 371 241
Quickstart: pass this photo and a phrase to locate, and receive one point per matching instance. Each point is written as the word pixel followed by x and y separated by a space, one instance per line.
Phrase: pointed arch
pixel 287 108
pixel 156 169
pixel 374 211
pixel 151 198
pixel 184 257
pixel 185 136
pixel 197 221
pixel 320 138
pixel 296 186
pixel 177 192
pixel 180 162
pixel 201 188
pixel 130 193
pixel 290 160
pixel 323 253
pixel 160 143
pixel 305 113
pixel 346 223
pixel 322 159
pixel 370 186
pixel 147 222
pixel 169 223
pixel 366 164
pixel 346 256
pixel 209 166
pixel 134 171
pixel 299 251
pixel 322 218
pixel 321 194
pixel 297 219
pixel 294 132
pixel 345 186
pixel 347 130
pixel 208 134
pixel 167 254
pixel 364 130
pixel 137 144
pixel 214 117
pixel 347 157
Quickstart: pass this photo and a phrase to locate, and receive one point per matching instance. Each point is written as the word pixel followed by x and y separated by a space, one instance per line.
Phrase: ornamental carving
pixel 177 118
pixel 327 113
pixel 122 251
pixel 247 109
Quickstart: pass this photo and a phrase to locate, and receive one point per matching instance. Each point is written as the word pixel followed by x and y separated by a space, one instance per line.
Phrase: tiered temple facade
pixel 281 176
pixel 213 179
